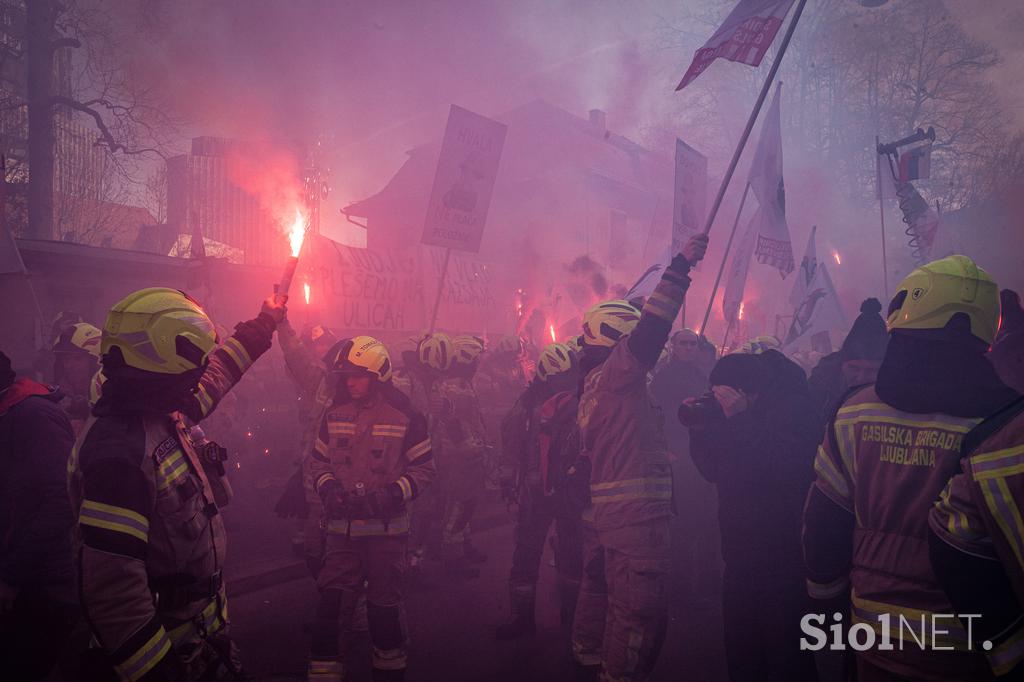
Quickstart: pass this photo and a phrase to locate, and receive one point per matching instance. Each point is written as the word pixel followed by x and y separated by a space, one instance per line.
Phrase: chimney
pixel 598 121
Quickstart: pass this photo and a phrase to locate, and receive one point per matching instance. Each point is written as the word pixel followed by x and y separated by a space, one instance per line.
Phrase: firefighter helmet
pixel 467 348
pixel 363 354
pixel 436 351
pixel 556 358
pixel 80 337
pixel 606 323
pixel 933 294
pixel 159 330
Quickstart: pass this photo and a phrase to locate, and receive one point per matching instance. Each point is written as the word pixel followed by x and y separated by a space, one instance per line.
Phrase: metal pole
pixel 881 214
pixel 753 117
pixel 725 258
pixel 725 339
pixel 440 288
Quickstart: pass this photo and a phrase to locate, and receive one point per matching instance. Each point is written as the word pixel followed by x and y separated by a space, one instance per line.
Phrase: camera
pixel 703 411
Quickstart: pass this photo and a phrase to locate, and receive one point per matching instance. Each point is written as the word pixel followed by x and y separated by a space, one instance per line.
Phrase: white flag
pixel 805 274
pixel 773 244
pixel 744 36
pixel 737 279
pixel 819 310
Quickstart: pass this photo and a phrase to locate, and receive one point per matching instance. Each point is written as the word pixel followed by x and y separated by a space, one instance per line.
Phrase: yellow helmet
pixel 606 323
pixel 467 348
pixel 511 343
pixel 436 351
pixel 935 293
pixel 96 387
pixel 556 358
pixel 160 330
pixel 79 337
pixel 364 354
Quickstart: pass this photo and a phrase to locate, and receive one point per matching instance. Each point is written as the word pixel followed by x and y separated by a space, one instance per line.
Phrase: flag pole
pixel 721 269
pixel 881 214
pixel 753 117
pixel 440 288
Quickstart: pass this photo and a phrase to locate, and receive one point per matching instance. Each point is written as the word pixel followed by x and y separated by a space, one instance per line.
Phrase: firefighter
pixel 526 465
pixel 150 537
pixel 975 543
pixel 887 454
pixel 457 431
pixel 622 610
pixel 372 456
pixel 76 355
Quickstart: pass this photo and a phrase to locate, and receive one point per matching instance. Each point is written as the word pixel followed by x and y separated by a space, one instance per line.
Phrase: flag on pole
pixel 818 310
pixel 10 256
pixel 737 278
pixel 773 243
pixel 744 37
pixel 916 163
pixel 805 275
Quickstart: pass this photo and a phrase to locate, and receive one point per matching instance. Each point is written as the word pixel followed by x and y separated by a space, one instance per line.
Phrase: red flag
pixel 745 36
pixel 916 163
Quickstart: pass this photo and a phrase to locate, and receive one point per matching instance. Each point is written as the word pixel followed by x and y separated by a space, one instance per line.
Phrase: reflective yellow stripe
pixel 657 488
pixel 148 655
pixel 403 483
pixel 389 431
pixel 324 478
pixel 321 447
pixel 356 528
pixel 212 621
pixel 630 482
pixel 171 469
pixel 237 351
pixel 830 475
pixel 905 618
pixel 421 448
pixel 345 428
pixel 113 518
pixel 205 400
pixel 1004 510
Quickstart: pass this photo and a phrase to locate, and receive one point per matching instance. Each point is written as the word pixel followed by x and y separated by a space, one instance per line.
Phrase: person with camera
pixel 754 435
pixel 372 455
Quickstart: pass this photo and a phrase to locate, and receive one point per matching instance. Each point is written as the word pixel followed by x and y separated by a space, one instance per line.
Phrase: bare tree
pixel 127 116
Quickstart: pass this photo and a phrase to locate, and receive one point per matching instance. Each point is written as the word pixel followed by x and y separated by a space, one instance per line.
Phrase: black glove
pixel 383 503
pixel 335 499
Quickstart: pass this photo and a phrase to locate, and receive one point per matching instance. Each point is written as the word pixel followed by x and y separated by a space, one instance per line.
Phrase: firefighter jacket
pixel 520 429
pixel 458 429
pixel 621 430
pixel 365 447
pixel 878 472
pixel 150 539
pixel 977 548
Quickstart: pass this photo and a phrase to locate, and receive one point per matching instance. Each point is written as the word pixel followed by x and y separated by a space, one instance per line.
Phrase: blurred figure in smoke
pixel 532 471
pixel 685 375
pixel 622 611
pixel 76 355
pixel 856 363
pixel 1007 352
pixel 754 436
pixel 371 456
pixel 305 360
pixel 145 495
pixel 503 376
pixel 458 434
pixel 884 461
pixel 37 581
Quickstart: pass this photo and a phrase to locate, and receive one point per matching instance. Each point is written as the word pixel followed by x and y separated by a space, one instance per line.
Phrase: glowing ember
pixel 305 291
pixel 835 254
pixel 551 328
pixel 297 233
pixel 742 304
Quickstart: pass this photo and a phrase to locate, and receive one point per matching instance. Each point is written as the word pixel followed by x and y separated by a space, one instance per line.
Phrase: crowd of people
pixel 879 493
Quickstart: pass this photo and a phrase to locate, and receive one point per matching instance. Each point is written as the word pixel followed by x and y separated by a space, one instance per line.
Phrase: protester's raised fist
pixel 695 248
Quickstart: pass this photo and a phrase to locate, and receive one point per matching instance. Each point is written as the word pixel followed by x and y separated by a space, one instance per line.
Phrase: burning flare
pixel 742 303
pixel 835 254
pixel 551 328
pixel 297 233
pixel 305 291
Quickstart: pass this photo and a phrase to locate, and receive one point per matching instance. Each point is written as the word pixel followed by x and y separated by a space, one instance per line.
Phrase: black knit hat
pixel 868 337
